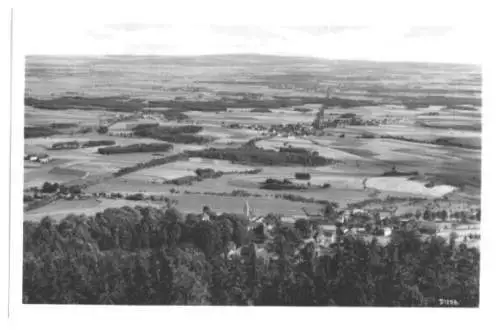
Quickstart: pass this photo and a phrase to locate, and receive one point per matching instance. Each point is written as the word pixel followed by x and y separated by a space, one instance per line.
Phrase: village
pixel 330 226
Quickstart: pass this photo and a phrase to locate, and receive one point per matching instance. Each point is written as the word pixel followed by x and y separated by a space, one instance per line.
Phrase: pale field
pixel 277 142
pixel 129 125
pixel 184 168
pixel 261 206
pixel 61 208
pixel 127 186
pixel 408 187
pixel 187 203
pixel 38 177
pixel 424 133
pixel 34 116
pixel 228 134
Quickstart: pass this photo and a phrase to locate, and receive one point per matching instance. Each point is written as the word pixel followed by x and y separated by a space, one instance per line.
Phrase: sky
pixel 155 35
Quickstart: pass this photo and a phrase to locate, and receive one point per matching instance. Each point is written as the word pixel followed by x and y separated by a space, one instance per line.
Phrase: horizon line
pixel 67 55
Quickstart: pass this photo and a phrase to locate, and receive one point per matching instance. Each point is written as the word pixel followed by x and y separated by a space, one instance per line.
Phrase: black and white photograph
pixel 287 165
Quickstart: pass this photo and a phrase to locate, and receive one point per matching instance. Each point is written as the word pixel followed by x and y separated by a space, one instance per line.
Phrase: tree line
pixel 136 148
pixel 250 154
pixel 146 255
pixel 176 134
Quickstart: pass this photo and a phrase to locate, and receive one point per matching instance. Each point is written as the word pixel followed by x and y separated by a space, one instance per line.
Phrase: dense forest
pixel 251 154
pixel 153 256
pixel 177 134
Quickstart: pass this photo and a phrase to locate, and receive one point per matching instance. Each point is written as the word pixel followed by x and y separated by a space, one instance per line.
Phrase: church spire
pixel 246 209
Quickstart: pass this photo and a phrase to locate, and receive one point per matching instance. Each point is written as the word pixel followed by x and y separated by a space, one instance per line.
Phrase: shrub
pixel 50 187
pixel 27 198
pixel 240 193
pixel 205 173
pixel 367 135
pixel 135 197
pixel 102 129
pixel 186 180
pixel 73 189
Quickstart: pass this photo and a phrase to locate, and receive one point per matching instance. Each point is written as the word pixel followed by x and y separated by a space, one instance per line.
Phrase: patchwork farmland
pixel 229 135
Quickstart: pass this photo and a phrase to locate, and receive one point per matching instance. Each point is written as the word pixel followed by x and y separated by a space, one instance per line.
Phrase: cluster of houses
pixel 291 130
pixel 280 130
pixel 255 127
pixel 354 120
pixel 382 223
pixel 37 158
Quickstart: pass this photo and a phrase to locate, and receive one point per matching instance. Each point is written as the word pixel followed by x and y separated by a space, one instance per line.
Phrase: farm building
pixel 358 211
pixel 205 173
pixel 385 215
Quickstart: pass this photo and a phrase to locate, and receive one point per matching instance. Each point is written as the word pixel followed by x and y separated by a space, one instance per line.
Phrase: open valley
pixel 274 153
